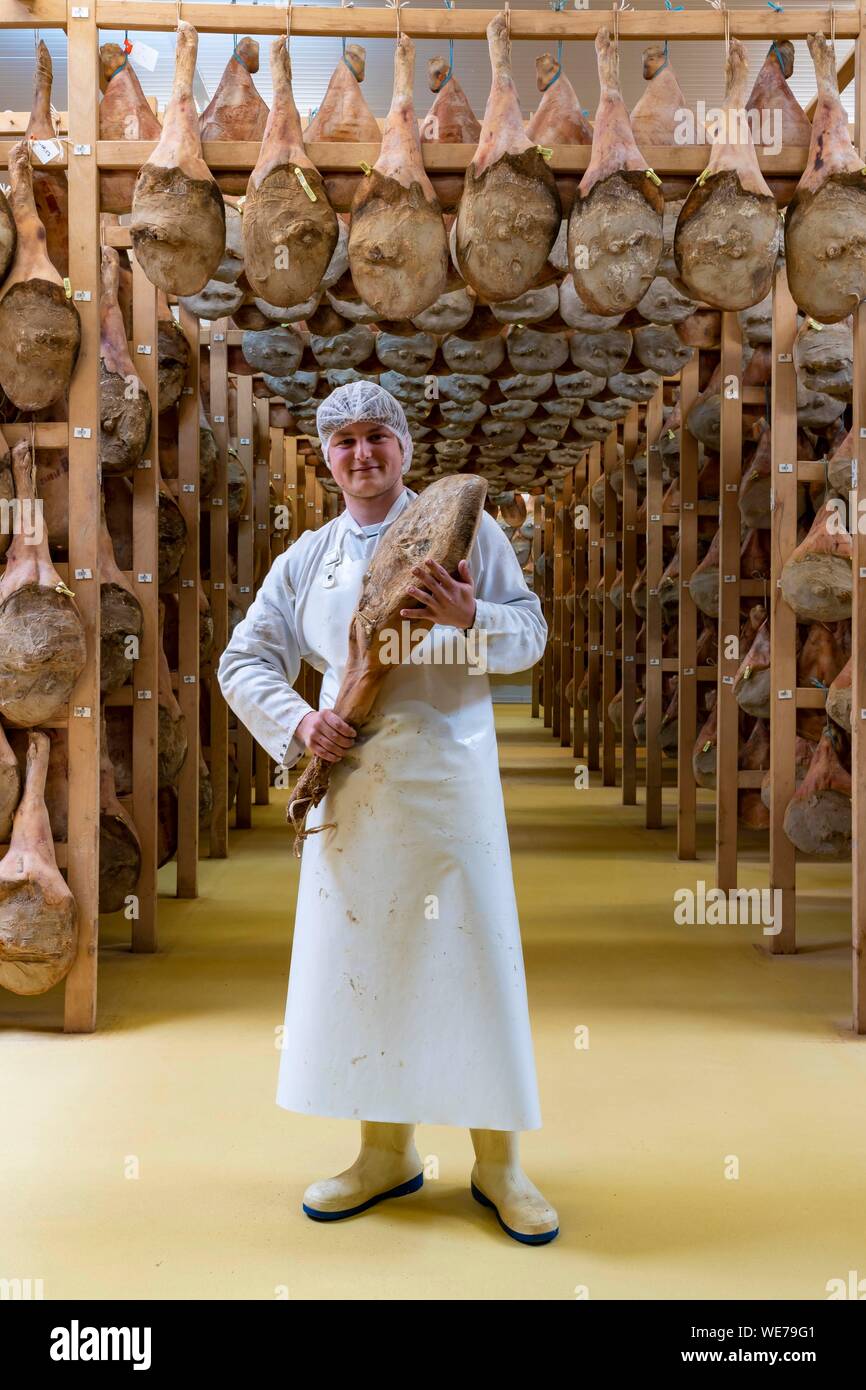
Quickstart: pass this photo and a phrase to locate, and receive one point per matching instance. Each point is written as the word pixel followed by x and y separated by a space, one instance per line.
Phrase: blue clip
pixel 777 8
pixel 669 6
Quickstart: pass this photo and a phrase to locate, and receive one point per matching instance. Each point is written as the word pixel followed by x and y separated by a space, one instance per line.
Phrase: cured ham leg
pixel 344 114
pixel 818 816
pixel 727 234
pixel 559 119
pixel 38 916
pixel 615 231
pixel 10 786
pixel 825 224
pixel 50 188
pixel 816 579
pixel 40 332
pixel 771 93
pixel 42 643
pixel 123 115
pixel 178 223
pixel 172 741
pixel 510 213
pixel 660 110
pixel 236 111
pixel 119 845
pixel 450 119
pixel 120 615
pixel 290 228
pixel 441 525
pixel 8 236
pixel 124 405
pixel 398 246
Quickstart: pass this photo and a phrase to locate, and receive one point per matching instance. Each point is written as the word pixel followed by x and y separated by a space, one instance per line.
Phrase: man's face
pixel 366 459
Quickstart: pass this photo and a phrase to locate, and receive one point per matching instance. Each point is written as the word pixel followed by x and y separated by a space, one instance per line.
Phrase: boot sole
pixel 543 1238
pixel 403 1189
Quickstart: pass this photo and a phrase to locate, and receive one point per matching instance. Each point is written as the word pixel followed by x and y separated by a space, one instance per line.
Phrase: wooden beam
pixel 459 23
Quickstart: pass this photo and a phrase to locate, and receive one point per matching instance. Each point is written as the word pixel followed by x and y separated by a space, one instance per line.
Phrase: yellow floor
pixel 703 1051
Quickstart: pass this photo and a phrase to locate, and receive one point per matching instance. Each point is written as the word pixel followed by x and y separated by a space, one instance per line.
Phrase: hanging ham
pixel 344 114
pixel 40 332
pixel 559 119
pixel 398 246
pixel 123 115
pixel 727 234
pixel 450 119
pixel 771 94
pixel 38 916
pixel 10 786
pixel 510 213
pixel 441 525
pixel 124 405
pixel 236 111
pixel 816 578
pixel 42 643
pixel 178 223
pixel 50 188
pixel 119 845
pixel 172 738
pixel 818 816
pixel 8 236
pixel 825 224
pixel 121 617
pixel 290 228
pixel 615 231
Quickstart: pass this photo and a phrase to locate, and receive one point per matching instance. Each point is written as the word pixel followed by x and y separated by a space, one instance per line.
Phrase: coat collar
pixel 349 524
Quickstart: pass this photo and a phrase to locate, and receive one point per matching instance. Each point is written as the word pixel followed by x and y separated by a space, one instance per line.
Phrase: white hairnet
pixel 363 400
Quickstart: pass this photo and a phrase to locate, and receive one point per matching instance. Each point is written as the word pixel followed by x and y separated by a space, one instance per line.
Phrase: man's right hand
pixel 326 735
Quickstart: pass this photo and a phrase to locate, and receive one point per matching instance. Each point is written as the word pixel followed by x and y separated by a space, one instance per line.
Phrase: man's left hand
pixel 446 600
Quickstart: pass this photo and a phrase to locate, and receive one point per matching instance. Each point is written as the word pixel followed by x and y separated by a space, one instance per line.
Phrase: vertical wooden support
pixel 79 1000
pixel 608 634
pixel 629 633
pixel 728 725
pixel 593 625
pixel 246 565
pixel 567 658
pixel 687 680
pixel 581 534
pixel 537 547
pixel 188 499
pixel 262 514
pixel 858 616
pixel 558 604
pixel 547 603
pixel 654 570
pixel 783 621
pixel 145 569
pixel 219 575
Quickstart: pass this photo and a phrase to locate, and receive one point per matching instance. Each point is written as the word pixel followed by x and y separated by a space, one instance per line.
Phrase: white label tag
pixel 144 56
pixel 46 150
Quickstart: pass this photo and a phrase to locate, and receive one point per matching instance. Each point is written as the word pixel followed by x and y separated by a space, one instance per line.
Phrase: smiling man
pixel 407 996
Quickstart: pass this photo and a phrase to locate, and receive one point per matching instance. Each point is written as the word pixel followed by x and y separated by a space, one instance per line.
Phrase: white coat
pixel 407 994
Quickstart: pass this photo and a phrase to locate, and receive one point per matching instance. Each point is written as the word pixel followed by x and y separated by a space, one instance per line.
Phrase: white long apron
pixel 407 995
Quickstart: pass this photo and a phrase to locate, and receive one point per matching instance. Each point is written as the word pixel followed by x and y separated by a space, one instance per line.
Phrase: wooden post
pixel 593 625
pixel 537 548
pixel 82 870
pixel 629 574
pixel 219 575
pixel 687 679
pixel 548 677
pixel 609 624
pixel 858 617
pixel 145 571
pixel 654 570
pixel 245 560
pixel 728 726
pixel 189 500
pixel 783 622
pixel 579 581
pixel 567 642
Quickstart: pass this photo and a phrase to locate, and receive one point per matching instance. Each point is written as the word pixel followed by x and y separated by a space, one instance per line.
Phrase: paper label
pixel 46 150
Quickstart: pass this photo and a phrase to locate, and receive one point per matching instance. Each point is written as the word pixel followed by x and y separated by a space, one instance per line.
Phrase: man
pixel 407 996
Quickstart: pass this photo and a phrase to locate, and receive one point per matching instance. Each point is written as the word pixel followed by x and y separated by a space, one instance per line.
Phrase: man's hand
pixel 446 600
pixel 326 735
